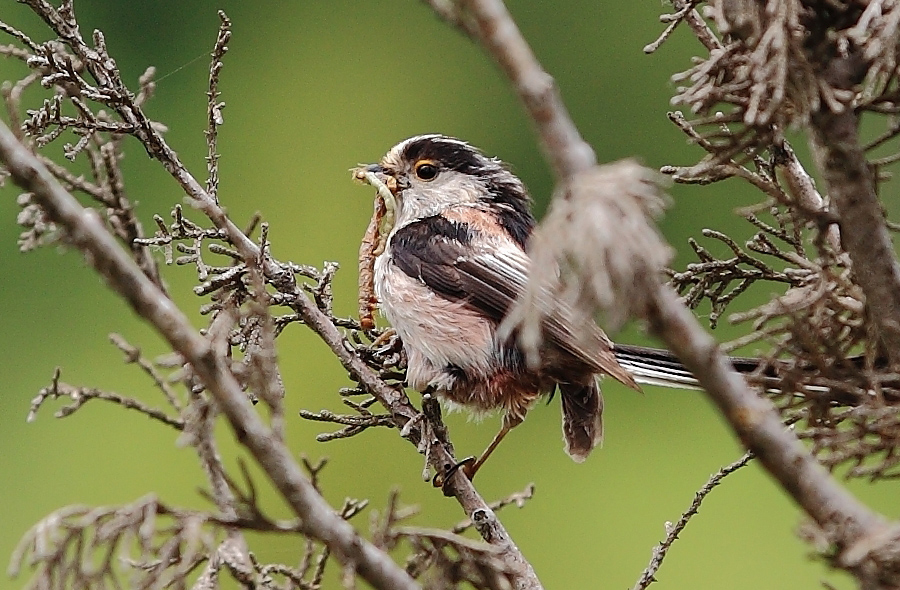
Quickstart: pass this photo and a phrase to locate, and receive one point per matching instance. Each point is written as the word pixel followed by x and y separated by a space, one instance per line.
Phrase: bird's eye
pixel 426 170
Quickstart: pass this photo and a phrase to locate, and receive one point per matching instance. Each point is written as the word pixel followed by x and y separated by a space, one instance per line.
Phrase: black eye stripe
pixel 452 155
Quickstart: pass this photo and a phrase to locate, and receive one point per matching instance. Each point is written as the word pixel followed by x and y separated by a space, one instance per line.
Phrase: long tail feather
pixel 654 366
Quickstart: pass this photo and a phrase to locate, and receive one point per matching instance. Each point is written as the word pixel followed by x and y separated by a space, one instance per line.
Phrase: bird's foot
pixel 385 339
pixel 468 466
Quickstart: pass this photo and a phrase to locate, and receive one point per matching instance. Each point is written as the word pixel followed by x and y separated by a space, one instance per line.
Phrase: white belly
pixel 435 332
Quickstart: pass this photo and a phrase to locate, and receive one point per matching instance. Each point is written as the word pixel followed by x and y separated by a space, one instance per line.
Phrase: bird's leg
pixel 470 465
pixel 471 468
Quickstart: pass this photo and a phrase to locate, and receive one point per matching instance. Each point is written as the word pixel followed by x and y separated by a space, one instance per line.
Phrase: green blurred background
pixel 313 88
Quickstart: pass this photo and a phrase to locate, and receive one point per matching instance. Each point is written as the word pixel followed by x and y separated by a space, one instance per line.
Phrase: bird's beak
pixel 376 172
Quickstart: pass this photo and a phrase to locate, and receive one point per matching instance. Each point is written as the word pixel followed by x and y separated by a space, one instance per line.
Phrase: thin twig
pixel 82 395
pixel 133 355
pixel 672 531
pixel 214 106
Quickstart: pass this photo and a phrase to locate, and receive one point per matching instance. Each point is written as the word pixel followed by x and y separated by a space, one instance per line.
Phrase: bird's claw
pixel 441 479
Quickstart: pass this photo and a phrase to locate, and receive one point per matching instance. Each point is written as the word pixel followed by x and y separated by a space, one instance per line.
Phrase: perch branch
pixel 490 528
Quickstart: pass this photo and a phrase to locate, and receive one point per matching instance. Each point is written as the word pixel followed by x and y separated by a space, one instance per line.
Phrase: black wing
pixel 448 256
pixel 488 273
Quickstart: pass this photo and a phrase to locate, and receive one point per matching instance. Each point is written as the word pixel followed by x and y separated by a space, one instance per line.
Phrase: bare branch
pixel 863 231
pixel 685 11
pixel 567 152
pixel 353 424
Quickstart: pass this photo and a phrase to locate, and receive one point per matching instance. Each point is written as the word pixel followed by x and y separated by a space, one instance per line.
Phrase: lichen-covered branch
pixel 864 235
pixel 848 522
pixel 85 231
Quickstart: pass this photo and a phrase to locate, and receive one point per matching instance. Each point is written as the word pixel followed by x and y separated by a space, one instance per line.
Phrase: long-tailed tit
pixel 454 263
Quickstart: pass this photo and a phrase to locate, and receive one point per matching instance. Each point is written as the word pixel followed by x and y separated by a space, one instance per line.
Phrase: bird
pixel 454 262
